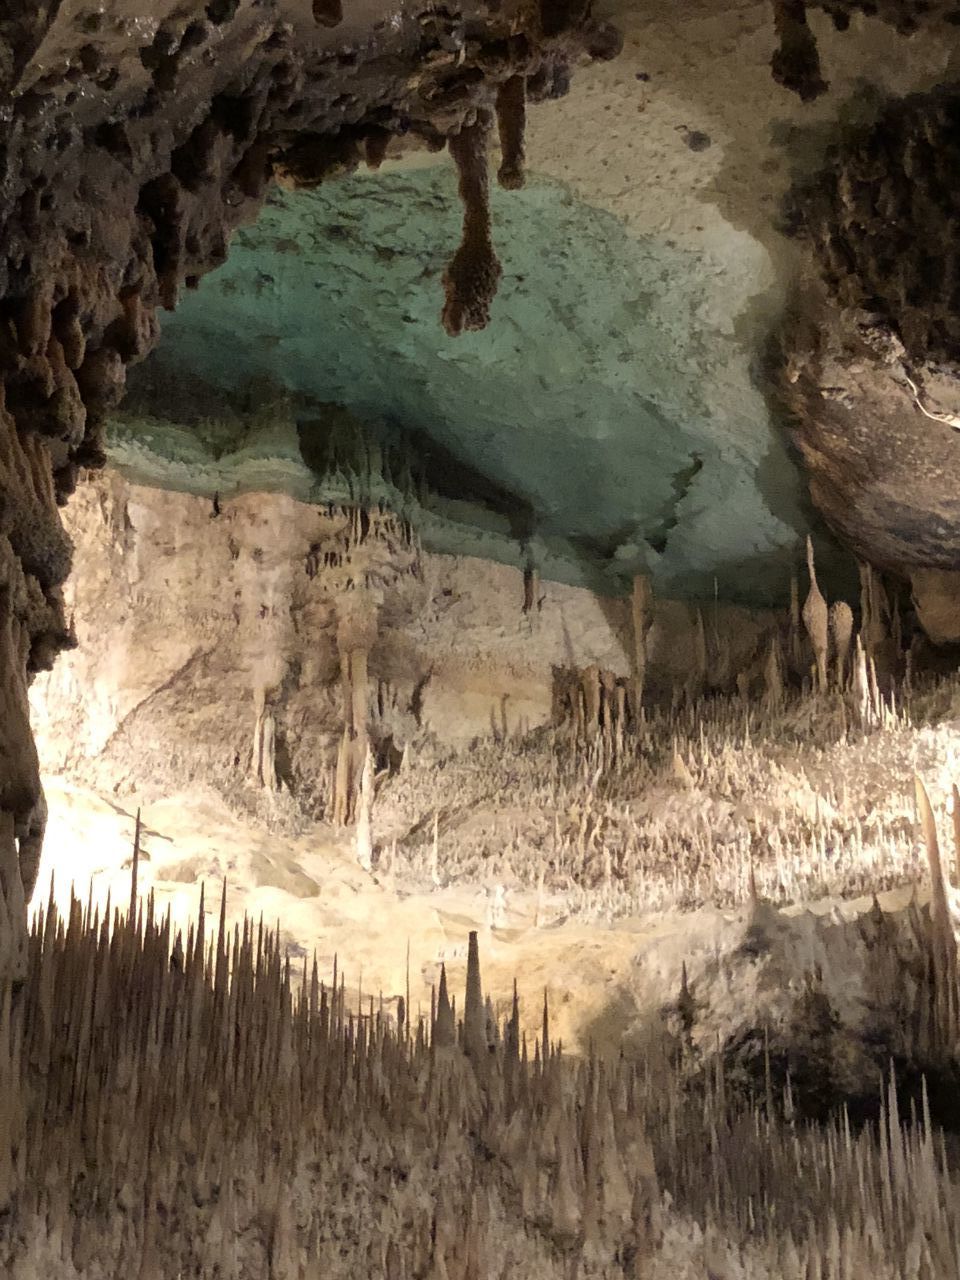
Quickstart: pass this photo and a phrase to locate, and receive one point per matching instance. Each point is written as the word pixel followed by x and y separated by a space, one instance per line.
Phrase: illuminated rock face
pixel 137 137
pixel 261 642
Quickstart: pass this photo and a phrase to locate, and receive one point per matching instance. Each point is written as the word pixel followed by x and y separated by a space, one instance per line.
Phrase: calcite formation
pixel 183 1104
pixel 136 138
pixel 207 633
pixel 174 1104
pixel 177 1104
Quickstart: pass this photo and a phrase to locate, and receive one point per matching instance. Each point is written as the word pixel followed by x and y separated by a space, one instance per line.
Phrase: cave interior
pixel 480 639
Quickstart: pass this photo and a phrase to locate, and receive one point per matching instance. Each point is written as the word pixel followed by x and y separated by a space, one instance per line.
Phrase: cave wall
pixel 188 621
pixel 136 139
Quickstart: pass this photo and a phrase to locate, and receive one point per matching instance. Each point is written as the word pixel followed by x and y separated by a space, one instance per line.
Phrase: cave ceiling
pixel 615 416
pixel 670 380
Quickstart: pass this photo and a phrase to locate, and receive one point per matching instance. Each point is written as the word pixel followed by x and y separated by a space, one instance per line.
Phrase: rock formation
pixel 134 145
pixel 841 635
pixel 816 621
pixel 869 349
pixel 796 62
pixel 174 1103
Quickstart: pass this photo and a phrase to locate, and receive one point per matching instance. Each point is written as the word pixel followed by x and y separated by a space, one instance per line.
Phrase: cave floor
pixel 831 823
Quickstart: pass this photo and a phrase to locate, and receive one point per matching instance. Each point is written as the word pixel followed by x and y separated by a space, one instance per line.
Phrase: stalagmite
pixel 474 1013
pixel 697 681
pixel 796 636
pixel 590 682
pixel 841 633
pixel 773 676
pixel 816 621
pixel 13 941
pixel 946 978
pixel 356 632
pixel 641 612
pixel 365 814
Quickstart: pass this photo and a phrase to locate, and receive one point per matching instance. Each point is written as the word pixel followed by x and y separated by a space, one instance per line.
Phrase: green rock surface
pixel 602 424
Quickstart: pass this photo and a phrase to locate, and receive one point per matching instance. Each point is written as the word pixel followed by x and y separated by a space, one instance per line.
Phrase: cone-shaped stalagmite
pixel 816 621
pixel 841 633
pixel 946 989
pixel 356 634
pixel 641 611
pixel 474 1014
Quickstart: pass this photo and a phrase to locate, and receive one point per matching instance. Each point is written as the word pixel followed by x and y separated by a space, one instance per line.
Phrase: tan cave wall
pixel 208 644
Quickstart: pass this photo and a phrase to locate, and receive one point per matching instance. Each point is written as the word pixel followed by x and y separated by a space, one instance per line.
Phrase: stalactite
pixel 328 13
pixel 796 62
pixel 874 611
pixel 473 274
pixel 511 124
pixel 531 589
pixel 264 754
pixel 106 222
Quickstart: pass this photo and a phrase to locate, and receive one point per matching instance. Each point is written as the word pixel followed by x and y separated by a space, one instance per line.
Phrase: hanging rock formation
pixel 868 368
pixel 796 61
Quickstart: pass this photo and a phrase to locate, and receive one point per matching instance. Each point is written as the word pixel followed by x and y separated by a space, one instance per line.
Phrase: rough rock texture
pixel 614 398
pixel 193 623
pixel 796 63
pixel 238 1119
pixel 136 138
pixel 870 371
pixel 936 598
pixel 170 1109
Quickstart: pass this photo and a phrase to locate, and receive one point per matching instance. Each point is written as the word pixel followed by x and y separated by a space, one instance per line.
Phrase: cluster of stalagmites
pixel 817 647
pixel 177 1108
pixel 196 1106
pixel 630 807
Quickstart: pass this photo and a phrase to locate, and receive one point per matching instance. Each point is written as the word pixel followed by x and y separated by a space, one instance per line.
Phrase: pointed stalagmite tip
pixel 135 870
pixel 474 1011
pixel 444 1030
